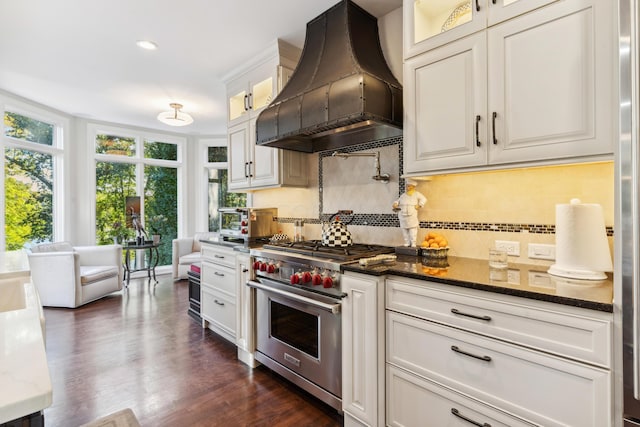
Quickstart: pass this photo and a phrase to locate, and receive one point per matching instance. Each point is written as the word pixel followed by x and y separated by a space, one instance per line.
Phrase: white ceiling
pixel 80 56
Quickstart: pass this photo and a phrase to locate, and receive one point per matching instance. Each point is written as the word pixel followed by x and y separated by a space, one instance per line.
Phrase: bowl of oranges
pixel 434 246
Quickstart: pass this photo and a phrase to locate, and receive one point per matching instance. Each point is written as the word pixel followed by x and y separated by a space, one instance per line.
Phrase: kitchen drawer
pixel 220 311
pixel 538 387
pixel 414 401
pixel 219 255
pixel 219 277
pixel 567 331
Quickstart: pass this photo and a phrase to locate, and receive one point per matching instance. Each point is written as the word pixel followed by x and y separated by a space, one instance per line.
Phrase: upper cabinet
pixel 429 24
pixel 249 91
pixel 534 89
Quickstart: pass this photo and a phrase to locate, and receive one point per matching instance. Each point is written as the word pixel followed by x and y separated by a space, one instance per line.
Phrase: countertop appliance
pixel 298 306
pixel 247 224
pixel 628 219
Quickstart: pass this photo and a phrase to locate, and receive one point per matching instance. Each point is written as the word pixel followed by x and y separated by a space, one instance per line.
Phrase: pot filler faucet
pixel 377 177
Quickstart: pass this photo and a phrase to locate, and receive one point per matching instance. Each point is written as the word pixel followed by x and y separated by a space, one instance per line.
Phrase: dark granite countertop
pixel 522 280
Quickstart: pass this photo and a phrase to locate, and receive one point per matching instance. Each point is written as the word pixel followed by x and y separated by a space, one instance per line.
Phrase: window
pixel 217 194
pixel 132 164
pixel 32 147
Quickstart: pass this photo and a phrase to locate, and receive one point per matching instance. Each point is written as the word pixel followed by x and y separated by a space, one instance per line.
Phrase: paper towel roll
pixel 582 248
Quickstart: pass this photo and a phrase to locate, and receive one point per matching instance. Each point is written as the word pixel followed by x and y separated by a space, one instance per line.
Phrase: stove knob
pixel 244 231
pixel 244 223
pixel 256 265
pixel 306 277
pixel 327 282
pixel 295 279
pixel 263 266
pixel 271 268
pixel 316 279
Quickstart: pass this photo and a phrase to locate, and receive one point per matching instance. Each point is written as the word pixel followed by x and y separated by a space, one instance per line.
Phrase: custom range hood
pixel 341 93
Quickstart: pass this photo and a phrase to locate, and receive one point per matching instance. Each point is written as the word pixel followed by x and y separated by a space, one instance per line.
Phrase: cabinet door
pixel 264 163
pixel 237 102
pixel 501 10
pixel 551 83
pixel 244 318
pixel 429 24
pixel 445 102
pixel 238 156
pixel 362 348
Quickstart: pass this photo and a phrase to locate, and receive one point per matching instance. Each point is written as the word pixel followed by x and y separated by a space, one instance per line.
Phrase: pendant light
pixel 175 117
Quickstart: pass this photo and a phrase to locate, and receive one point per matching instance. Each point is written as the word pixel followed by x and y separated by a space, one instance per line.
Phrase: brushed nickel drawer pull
pixel 466 353
pixel 218 256
pixel 457 413
pixel 218 302
pixel 217 273
pixel 474 316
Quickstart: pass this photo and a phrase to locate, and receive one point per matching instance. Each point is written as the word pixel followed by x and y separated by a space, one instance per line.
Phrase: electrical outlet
pixel 542 251
pixel 513 276
pixel 512 248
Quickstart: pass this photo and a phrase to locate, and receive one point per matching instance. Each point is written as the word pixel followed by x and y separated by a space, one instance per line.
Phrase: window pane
pixel 28 181
pixel 219 197
pixel 161 207
pixel 115 145
pixel 160 150
pixel 216 154
pixel 114 182
pixel 25 128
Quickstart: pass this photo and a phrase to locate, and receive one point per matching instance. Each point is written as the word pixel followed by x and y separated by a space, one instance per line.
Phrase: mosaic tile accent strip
pixel 391 220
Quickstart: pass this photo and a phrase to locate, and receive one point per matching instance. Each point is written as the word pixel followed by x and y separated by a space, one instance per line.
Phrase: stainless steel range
pixel 298 305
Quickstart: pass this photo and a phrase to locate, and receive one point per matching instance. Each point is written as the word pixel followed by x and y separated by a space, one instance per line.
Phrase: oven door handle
pixel 333 308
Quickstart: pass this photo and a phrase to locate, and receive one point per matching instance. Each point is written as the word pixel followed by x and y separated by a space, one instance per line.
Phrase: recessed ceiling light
pixel 147 44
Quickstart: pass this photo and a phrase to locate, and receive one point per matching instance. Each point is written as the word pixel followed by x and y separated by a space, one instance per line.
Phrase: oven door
pixel 301 333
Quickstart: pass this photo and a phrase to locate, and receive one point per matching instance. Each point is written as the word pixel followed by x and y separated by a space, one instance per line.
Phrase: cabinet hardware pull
pixel 250 174
pixel 217 273
pixel 478 6
pixel 457 413
pixel 477 131
pixel 457 350
pixel 244 270
pixel 493 126
pixel 246 172
pixel 218 256
pixel 475 316
pixel 246 103
pixel 250 101
pixel 218 302
pixel 494 1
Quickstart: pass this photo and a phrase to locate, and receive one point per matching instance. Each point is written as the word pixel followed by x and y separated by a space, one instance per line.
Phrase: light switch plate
pixel 541 251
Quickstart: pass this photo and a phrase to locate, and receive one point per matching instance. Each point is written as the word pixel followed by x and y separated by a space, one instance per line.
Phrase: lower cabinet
pixel 245 318
pixel 218 291
pixel 363 350
pixel 484 370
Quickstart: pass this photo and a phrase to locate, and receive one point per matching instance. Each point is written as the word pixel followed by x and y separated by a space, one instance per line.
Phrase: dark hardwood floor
pixel 140 350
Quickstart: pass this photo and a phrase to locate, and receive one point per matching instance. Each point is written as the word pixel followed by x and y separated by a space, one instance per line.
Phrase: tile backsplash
pixel 471 209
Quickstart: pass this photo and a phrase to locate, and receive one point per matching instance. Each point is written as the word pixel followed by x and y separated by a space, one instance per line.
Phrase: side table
pixel 150 265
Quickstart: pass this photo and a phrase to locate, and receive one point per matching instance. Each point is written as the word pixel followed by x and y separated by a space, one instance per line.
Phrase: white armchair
pixel 186 251
pixel 68 276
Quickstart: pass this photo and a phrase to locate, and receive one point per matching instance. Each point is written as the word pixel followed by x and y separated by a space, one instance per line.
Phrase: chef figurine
pixel 407 207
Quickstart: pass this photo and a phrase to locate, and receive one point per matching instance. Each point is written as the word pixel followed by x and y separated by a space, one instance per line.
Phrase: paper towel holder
pixel 577 265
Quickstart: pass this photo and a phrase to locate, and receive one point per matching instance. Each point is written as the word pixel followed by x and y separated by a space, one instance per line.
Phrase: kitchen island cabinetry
pixel 493 358
pixel 534 89
pixel 218 290
pixel 249 91
pixel 428 26
pixel 363 350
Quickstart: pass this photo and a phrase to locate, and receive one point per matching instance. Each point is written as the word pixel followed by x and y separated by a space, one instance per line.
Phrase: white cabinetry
pixel 363 350
pixel 494 359
pixel 431 24
pixel 535 89
pixel 245 321
pixel 248 92
pixel 218 291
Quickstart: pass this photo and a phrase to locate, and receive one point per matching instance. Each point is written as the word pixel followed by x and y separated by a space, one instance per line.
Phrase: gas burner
pixel 315 248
